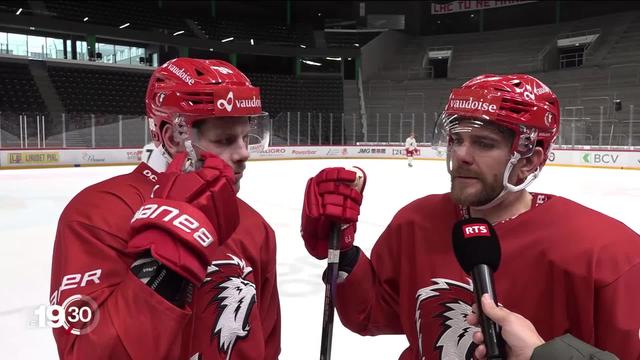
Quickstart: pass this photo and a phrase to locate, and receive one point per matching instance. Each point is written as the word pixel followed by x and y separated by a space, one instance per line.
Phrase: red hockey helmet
pixel 517 102
pixel 195 89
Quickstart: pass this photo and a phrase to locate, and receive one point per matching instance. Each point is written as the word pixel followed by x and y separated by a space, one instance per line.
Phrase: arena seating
pixel 84 90
pixel 282 93
pixel 611 72
pixel 18 91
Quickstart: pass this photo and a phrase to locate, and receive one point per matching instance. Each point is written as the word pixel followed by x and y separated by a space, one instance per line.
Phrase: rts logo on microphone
pixel 475 230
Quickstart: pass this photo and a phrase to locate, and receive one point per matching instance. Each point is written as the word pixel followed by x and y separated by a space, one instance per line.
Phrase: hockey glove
pixel 188 216
pixel 331 197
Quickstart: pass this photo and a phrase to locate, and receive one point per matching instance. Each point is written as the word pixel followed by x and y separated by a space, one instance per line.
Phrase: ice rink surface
pixel 32 200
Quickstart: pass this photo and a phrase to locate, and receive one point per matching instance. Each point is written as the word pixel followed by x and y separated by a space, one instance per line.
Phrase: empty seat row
pixel 18 90
pixel 100 91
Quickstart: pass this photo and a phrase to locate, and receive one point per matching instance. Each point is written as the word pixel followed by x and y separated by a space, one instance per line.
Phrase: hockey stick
pixel 333 259
pixel 329 292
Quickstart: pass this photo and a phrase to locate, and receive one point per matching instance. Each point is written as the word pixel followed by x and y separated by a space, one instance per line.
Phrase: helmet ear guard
pixel 526 142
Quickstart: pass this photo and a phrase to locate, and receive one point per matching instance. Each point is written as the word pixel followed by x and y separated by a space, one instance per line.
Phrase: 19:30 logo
pixel 78 315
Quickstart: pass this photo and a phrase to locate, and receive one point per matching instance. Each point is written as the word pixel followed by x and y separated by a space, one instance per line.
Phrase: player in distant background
pixel 154 157
pixel 410 147
pixel 564 267
pixel 176 265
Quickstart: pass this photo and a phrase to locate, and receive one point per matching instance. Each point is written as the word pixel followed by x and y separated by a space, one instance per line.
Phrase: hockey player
pixel 180 268
pixel 410 148
pixel 154 157
pixel 564 267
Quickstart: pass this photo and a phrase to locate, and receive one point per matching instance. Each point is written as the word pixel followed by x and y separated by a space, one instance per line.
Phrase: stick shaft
pixel 329 292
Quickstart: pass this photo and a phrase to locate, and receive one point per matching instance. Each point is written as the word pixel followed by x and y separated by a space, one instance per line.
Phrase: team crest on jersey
pixel 441 320
pixel 234 297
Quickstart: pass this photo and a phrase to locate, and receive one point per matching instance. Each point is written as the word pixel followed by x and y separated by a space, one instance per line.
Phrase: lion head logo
pixel 234 301
pixel 441 320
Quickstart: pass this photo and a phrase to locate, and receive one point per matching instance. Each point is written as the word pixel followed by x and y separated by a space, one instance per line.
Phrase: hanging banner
pixel 458 6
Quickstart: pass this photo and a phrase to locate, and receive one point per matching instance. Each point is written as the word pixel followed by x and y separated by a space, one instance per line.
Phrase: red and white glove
pixel 188 216
pixel 331 197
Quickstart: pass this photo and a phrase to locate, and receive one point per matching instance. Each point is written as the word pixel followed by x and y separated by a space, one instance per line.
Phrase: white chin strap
pixel 192 159
pixel 188 139
pixel 506 186
pixel 165 153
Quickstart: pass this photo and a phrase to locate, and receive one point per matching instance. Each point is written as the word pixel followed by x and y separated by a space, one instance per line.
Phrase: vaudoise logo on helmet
pixel 181 74
pixel 228 103
pixel 472 104
pixel 472 101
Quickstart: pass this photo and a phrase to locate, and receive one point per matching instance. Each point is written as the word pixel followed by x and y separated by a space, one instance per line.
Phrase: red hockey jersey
pixel 235 314
pixel 565 267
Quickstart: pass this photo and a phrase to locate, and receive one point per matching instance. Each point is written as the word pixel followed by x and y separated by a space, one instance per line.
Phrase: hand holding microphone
pixel 520 335
pixel 505 334
pixel 476 246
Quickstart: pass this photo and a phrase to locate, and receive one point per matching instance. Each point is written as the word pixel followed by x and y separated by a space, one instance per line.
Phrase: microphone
pixel 476 246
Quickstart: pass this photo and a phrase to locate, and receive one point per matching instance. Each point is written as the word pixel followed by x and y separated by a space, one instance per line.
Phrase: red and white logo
pixel 231 285
pixel 540 89
pixel 475 230
pixel 441 312
pixel 548 117
pixel 222 69
pixel 226 104
pixel 160 98
pixel 473 102
pixel 184 76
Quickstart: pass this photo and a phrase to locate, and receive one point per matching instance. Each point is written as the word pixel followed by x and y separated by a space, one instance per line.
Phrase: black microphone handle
pixel 482 277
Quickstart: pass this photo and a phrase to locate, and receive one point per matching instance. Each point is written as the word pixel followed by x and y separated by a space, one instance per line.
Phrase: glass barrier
pixel 35 130
pixel 596 125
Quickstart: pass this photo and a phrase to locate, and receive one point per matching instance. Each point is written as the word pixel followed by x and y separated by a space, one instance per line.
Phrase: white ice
pixel 31 202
